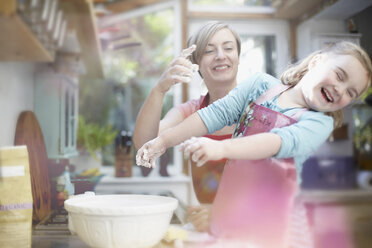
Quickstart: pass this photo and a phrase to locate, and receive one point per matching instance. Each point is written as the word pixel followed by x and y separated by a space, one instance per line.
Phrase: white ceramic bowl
pixel 113 221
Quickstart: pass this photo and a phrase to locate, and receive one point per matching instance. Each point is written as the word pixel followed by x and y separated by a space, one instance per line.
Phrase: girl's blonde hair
pixel 295 72
pixel 204 34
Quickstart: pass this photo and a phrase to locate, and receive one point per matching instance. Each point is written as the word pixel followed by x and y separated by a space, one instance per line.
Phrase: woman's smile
pixel 220 61
pixel 221 68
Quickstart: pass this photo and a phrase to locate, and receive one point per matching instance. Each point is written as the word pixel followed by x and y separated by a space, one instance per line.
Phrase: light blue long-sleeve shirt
pixel 299 140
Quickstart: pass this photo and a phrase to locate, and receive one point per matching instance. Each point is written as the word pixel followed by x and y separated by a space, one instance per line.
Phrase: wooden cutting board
pixel 28 133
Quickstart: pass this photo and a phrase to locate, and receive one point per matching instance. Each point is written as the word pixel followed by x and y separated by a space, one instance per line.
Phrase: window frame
pixel 177 166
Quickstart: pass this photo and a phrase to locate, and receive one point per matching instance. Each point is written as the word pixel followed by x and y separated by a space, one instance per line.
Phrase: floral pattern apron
pixel 255 197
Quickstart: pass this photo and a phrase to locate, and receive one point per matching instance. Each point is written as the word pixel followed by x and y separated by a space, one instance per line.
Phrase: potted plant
pixel 362 137
pixel 92 137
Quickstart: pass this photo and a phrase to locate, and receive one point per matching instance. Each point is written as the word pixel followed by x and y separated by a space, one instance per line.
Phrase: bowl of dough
pixel 123 220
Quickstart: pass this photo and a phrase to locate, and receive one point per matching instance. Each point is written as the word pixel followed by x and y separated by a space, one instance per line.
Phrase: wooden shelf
pixel 80 16
pixel 17 42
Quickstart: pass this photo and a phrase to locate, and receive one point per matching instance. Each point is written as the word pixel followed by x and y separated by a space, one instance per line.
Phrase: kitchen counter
pixel 68 241
pixel 57 241
pixel 73 241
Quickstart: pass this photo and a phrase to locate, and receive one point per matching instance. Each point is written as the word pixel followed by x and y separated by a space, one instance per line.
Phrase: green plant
pixel 93 137
pixel 367 93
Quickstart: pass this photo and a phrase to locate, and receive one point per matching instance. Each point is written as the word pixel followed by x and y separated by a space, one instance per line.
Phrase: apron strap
pixel 274 91
pixel 298 114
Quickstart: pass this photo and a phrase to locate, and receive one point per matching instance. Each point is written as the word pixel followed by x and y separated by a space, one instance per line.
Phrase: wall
pixel 16 95
pixel 363 22
pixel 307 31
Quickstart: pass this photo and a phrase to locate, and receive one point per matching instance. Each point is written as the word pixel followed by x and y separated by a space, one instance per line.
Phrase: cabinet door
pixel 56 107
pixel 68 117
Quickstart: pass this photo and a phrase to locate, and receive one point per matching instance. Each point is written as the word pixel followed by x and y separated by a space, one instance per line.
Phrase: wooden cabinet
pixel 56 107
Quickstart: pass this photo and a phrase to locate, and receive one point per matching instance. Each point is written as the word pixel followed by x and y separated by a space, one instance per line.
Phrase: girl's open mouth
pixel 327 96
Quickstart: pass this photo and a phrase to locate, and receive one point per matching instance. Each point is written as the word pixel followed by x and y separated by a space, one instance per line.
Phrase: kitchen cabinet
pixel 56 107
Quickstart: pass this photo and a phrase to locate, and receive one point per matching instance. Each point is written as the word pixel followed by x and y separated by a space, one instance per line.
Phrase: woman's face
pixel 220 59
pixel 333 82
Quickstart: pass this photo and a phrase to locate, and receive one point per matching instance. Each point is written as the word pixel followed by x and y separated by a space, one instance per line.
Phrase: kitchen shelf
pixel 17 41
pixel 81 17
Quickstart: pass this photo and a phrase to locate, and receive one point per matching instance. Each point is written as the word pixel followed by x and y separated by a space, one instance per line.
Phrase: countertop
pixel 57 241
pixel 51 240
pixel 68 241
pixel 73 241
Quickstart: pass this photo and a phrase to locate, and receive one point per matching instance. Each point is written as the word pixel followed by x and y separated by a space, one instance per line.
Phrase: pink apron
pixel 206 178
pixel 255 197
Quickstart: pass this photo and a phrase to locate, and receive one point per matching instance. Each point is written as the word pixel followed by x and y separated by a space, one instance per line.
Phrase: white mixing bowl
pixel 113 221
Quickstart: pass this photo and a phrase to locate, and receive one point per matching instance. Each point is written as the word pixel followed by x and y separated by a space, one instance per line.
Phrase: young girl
pixel 284 122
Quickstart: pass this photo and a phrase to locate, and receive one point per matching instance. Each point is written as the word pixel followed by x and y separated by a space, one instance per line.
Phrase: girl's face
pixel 332 82
pixel 220 60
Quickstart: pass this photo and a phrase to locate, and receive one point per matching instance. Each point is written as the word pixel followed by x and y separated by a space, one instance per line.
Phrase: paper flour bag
pixel 15 198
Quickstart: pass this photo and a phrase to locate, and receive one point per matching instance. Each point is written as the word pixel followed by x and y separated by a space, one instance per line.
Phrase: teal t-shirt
pixel 299 140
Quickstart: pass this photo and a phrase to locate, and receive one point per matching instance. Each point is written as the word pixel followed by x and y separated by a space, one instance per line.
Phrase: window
pixel 258 54
pixel 137 48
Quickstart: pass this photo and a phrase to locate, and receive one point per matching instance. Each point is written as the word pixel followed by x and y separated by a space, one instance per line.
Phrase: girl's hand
pixel 181 70
pixel 199 216
pixel 149 152
pixel 202 150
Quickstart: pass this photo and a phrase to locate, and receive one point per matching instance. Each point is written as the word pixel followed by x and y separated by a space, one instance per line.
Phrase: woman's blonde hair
pixel 204 34
pixel 295 73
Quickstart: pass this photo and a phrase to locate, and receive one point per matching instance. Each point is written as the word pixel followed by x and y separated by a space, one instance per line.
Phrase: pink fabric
pixel 206 178
pixel 255 197
pixel 190 107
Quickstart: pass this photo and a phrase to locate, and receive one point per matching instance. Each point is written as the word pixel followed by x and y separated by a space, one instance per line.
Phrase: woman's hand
pixel 181 70
pixel 202 150
pixel 149 152
pixel 199 216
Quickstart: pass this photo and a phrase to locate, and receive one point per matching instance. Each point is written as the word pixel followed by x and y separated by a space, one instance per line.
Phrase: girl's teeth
pixel 328 96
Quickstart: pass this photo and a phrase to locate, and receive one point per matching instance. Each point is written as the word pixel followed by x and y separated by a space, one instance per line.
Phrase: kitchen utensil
pixel 113 221
pixel 124 155
pixel 28 133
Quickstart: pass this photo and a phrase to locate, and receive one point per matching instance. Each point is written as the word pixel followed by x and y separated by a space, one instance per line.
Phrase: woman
pixel 217 54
